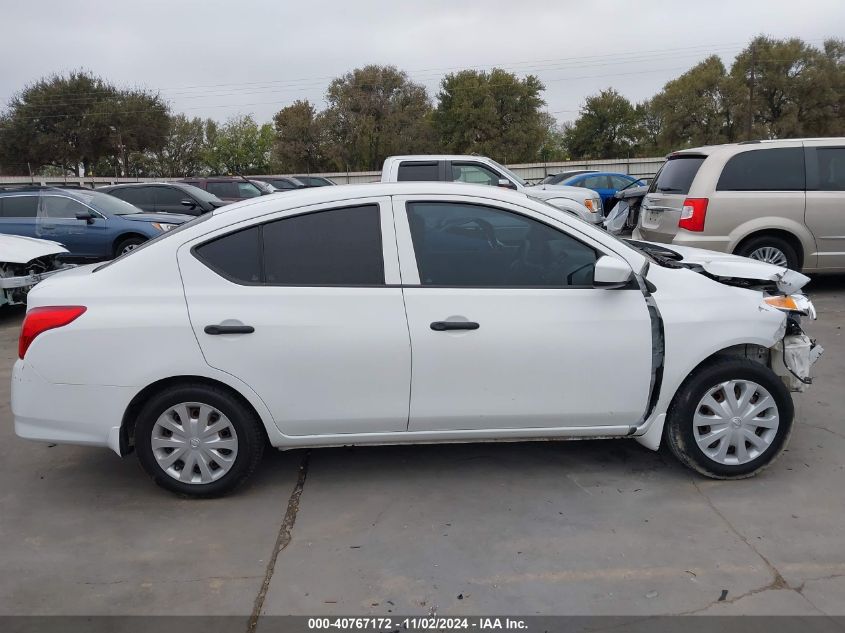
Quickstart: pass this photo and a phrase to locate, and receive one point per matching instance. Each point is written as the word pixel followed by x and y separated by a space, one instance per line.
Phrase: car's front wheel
pixel 730 419
pixel 197 440
pixel 127 245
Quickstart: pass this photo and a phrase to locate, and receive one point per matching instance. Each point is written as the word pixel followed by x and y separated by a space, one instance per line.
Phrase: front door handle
pixel 443 326
pixel 229 329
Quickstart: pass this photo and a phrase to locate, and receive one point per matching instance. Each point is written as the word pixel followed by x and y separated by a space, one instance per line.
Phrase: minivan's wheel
pixel 129 244
pixel 197 440
pixel 770 249
pixel 729 419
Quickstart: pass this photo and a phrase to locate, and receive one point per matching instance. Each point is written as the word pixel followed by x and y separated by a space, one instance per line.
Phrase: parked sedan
pixel 291 320
pixel 283 183
pixel 315 181
pixel 165 197
pixel 227 188
pixel 92 225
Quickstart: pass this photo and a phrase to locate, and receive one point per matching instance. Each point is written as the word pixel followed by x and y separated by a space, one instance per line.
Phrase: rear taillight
pixel 40 320
pixel 693 214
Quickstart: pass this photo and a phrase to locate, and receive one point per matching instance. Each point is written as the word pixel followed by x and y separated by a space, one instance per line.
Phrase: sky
pixel 217 59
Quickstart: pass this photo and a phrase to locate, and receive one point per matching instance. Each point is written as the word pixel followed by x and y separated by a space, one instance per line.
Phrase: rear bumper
pixel 685 238
pixel 89 415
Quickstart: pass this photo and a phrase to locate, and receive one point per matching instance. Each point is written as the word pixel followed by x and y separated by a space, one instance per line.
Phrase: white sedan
pixel 408 313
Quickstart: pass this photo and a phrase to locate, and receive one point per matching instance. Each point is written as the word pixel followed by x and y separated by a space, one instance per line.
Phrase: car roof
pixel 317 195
pixel 727 147
pixel 125 185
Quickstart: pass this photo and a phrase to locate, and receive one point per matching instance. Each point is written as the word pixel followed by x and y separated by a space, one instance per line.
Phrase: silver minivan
pixel 782 202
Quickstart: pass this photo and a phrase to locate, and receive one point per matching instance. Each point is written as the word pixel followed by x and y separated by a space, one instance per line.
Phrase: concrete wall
pixel 528 171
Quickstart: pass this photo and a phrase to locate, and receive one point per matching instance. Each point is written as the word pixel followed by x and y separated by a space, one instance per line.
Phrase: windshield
pixel 106 203
pixel 510 174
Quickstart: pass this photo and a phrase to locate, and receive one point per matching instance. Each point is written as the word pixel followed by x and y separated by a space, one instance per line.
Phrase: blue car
pixel 92 225
pixel 605 183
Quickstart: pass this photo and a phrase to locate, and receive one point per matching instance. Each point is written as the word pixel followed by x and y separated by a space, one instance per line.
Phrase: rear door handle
pixel 229 329
pixel 442 326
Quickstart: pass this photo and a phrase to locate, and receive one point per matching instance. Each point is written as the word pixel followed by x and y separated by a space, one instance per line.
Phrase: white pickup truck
pixel 480 170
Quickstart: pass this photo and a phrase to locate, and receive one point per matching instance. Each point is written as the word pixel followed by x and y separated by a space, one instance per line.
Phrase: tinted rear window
pixel 336 247
pixel 19 206
pixel 776 169
pixel 427 171
pixel 236 256
pixel 677 174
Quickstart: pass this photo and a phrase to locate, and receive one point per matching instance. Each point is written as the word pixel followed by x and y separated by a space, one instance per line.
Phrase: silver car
pixel 782 202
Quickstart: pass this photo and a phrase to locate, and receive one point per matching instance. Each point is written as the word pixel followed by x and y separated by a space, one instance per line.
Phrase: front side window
pixel 248 190
pixel 222 189
pixel 338 247
pixel 169 196
pixel 475 174
pixel 831 162
pixel 19 206
pixel 139 196
pixel 774 169
pixel 469 245
pixel 61 207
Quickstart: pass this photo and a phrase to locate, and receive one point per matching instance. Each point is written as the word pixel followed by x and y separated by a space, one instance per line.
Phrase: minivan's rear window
pixel 677 174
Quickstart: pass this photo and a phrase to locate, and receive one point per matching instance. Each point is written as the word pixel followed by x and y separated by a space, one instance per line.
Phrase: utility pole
pixel 749 122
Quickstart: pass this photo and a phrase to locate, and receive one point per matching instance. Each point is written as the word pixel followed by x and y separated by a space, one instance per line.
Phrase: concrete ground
pixel 599 527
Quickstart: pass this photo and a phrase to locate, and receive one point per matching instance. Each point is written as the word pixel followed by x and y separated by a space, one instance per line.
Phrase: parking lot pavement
pixel 590 527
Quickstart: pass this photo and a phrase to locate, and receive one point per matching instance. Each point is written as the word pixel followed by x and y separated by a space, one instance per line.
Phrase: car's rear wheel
pixel 127 245
pixel 197 440
pixel 770 249
pixel 730 419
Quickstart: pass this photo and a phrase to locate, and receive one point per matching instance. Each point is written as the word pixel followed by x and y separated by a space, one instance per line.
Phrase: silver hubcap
pixel 194 443
pixel 127 248
pixel 770 255
pixel 735 422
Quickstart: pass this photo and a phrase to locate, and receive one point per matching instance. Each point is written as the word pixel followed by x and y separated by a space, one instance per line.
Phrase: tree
pixel 240 146
pixel 606 127
pixel 300 138
pixel 373 112
pixel 495 114
pixel 73 121
pixel 697 108
pixel 797 87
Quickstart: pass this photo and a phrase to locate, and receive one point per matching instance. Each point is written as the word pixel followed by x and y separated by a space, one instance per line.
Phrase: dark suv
pixel 165 197
pixel 226 188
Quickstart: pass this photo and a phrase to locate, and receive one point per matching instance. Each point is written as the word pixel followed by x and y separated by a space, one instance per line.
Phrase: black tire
pixel 248 430
pixel 678 432
pixel 771 241
pixel 128 244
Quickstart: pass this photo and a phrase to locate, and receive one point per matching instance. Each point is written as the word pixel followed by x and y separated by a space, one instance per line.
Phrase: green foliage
pixel 373 112
pixel 607 126
pixel 240 146
pixel 495 114
pixel 71 122
pixel 301 139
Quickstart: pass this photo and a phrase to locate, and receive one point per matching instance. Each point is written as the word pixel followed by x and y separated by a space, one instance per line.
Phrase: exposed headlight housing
pixel 792 303
pixel 164 226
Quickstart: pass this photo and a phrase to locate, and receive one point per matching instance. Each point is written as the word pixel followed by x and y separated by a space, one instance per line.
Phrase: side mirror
pixel 507 184
pixel 85 215
pixel 611 273
pixel 188 203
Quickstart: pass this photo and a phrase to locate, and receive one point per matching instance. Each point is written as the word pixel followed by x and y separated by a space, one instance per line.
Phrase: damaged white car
pixel 24 261
pixel 409 313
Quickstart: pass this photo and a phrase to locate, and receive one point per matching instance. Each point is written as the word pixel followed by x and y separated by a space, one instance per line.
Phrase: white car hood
pixel 16 249
pixel 725 265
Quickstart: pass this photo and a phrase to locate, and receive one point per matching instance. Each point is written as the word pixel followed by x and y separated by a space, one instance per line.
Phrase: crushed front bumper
pixel 15 289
